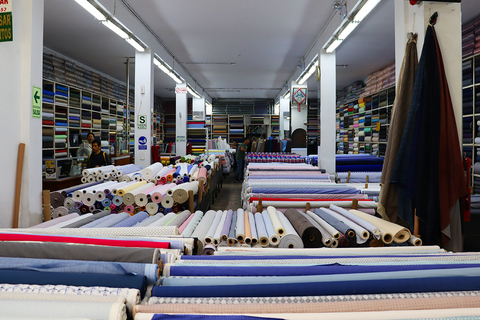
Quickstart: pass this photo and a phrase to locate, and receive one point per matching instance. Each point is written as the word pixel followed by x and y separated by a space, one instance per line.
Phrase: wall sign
pixel 142 122
pixel 180 138
pixel 6 25
pixel 142 143
pixel 181 90
pixel 36 102
pixel 299 95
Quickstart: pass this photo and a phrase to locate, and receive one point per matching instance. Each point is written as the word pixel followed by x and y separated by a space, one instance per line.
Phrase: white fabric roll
pixel 326 226
pixel 291 239
pixel 211 231
pixel 240 226
pixel 277 225
pixel 361 222
pixel 218 231
pixel 150 171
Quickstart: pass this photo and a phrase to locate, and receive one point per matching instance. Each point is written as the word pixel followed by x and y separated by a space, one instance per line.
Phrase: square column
pixel 328 100
pixel 284 123
pixel 181 119
pixel 143 107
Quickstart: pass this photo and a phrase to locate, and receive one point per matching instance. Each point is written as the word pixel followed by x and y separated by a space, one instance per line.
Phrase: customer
pixel 241 150
pixel 85 149
pixel 98 158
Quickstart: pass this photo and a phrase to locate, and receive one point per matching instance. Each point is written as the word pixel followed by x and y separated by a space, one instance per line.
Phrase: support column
pixel 410 18
pixel 284 123
pixel 181 119
pixel 198 109
pixel 21 65
pixel 298 119
pixel 143 107
pixel 328 88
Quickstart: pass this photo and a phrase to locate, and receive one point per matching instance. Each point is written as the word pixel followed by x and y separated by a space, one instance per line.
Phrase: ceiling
pixel 237 49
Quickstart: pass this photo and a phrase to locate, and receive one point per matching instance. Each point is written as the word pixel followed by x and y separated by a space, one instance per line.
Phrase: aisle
pixel 229 195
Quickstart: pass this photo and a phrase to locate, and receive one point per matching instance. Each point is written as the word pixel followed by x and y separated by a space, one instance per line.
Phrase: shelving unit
pixel 275 125
pixel 362 124
pixel 236 130
pixel 196 135
pixel 219 126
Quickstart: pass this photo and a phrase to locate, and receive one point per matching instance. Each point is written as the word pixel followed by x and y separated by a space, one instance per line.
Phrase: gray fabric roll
pixel 50 250
pixel 89 219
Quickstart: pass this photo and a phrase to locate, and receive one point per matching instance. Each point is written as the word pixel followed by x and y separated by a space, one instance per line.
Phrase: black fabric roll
pixel 50 250
pixel 311 236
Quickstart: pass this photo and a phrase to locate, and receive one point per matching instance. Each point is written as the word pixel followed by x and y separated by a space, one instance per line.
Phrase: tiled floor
pixel 229 195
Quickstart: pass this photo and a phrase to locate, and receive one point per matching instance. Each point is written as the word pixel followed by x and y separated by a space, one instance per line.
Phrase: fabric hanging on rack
pixel 429 166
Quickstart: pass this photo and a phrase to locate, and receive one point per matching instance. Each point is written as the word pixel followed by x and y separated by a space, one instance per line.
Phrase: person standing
pixel 85 149
pixel 98 158
pixel 240 156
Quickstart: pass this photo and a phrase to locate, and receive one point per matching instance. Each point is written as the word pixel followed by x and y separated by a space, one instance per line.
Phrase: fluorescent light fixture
pixel 333 45
pixel 162 65
pixel 308 71
pixel 286 95
pixel 91 9
pixel 208 108
pixel 193 92
pixel 135 44
pixel 347 30
pixel 276 108
pixel 110 25
pixel 365 10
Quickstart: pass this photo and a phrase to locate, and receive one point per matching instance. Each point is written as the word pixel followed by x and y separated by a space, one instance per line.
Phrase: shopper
pixel 98 158
pixel 85 149
pixel 240 156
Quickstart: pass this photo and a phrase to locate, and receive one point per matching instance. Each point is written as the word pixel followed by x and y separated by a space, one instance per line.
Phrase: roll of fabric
pixel 361 233
pixel 232 239
pixel 248 231
pixel 163 220
pixel 179 218
pixel 113 220
pixel 150 220
pixel 327 238
pixel 218 231
pixel 310 235
pixel 226 226
pixel 150 171
pixel 273 237
pixel 328 227
pixel 56 220
pixel 180 193
pixel 132 221
pixel 192 225
pixel 339 225
pixel 291 239
pixel 89 219
pixel 277 225
pixel 203 226
pixel 253 228
pixel 261 230
pixel 213 227
pixel 121 192
pixel 240 226
pixel 65 223
pixel 400 234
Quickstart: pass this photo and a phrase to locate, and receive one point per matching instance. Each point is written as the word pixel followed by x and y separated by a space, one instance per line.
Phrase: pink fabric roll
pixel 167 176
pixel 158 194
pixel 202 174
pixel 56 220
pixel 129 209
pixel 184 225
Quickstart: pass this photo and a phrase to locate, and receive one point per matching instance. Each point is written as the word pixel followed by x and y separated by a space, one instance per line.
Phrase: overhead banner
pixel 6 25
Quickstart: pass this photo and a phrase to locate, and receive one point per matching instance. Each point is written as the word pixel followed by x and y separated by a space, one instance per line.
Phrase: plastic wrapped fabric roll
pixel 211 231
pixel 179 218
pixel 88 219
pixel 261 231
pixel 339 225
pixel 400 234
pixel 120 185
pixel 150 220
pixel 129 177
pixel 56 220
pixel 231 240
pixel 167 202
pixel 277 225
pixel 192 170
pixel 209 250
pixel 359 221
pixel 290 239
pixel 52 250
pixel 328 228
pixel 121 192
pixel 202 175
pixel 152 208
pixel 326 237
pixel 150 171
pixel 162 172
pixel 203 226
pixel 273 237
pixel 132 221
pixel 180 193
pixel 161 222
pixel 56 199
pixel 217 235
pixel 240 226
pixel 226 226
pixel 192 225
pixel 129 197
pixel 54 309
pixel 310 235
pixel 157 194
pixel 96 171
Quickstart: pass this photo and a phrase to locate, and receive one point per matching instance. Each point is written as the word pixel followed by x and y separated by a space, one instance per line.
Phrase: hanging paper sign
pixel 299 95
pixel 6 25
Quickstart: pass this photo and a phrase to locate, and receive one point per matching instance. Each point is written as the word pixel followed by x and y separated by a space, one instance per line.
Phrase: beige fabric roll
pixel 121 192
pixel 400 234
pixel 277 224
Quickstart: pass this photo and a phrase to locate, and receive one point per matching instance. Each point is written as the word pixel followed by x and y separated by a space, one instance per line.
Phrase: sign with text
pixel 181 90
pixel 6 25
pixel 142 143
pixel 180 138
pixel 50 169
pixel 142 122
pixel 36 102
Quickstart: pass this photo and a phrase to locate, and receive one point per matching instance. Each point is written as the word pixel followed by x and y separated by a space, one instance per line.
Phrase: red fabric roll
pixel 93 241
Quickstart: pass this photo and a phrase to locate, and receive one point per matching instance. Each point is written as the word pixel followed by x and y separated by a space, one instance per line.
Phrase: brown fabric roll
pixel 48 131
pixel 311 236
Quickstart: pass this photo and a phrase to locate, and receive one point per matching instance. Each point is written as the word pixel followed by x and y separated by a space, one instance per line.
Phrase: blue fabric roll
pixel 359 167
pixel 304 190
pixel 161 316
pixel 176 173
pixel 319 288
pixel 307 256
pixel 133 220
pixel 75 279
pixel 265 271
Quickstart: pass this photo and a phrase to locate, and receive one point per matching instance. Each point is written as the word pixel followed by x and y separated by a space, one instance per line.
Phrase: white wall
pixel 21 68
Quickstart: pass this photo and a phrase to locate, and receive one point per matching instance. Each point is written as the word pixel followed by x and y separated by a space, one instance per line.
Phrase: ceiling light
pixel 365 10
pixel 286 95
pixel 333 45
pixel 135 44
pixel 312 66
pixel 347 30
pixel 110 25
pixel 208 108
pixel 162 65
pixel 90 8
pixel 176 77
pixel 193 92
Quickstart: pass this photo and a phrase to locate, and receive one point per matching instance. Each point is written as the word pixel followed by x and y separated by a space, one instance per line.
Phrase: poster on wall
pixel 6 25
pixel 299 97
pixel 50 170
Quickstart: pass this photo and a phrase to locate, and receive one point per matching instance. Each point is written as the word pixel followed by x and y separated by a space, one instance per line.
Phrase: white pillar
pixel 143 107
pixel 298 118
pixel 284 123
pixel 328 99
pixel 449 34
pixel 21 65
pixel 181 119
